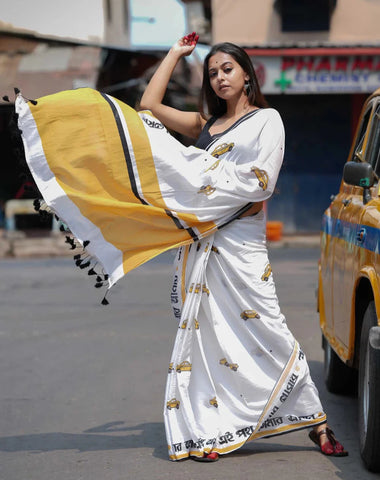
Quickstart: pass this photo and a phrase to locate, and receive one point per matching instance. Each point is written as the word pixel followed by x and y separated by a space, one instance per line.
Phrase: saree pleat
pixel 236 371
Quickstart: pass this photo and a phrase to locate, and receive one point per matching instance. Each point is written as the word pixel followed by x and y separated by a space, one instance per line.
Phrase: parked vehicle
pixel 349 280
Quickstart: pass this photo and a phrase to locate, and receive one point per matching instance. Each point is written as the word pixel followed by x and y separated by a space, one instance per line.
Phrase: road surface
pixel 82 385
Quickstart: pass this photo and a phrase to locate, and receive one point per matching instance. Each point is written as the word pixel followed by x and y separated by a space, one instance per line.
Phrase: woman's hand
pixel 186 44
pixel 186 123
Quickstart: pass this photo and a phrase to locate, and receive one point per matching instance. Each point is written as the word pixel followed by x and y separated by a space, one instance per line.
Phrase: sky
pixel 55 17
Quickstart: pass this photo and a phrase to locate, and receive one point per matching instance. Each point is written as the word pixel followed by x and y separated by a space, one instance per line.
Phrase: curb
pixel 55 245
pixel 24 247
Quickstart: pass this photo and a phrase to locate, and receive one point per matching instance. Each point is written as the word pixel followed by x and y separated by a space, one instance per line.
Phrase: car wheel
pixel 339 378
pixel 369 394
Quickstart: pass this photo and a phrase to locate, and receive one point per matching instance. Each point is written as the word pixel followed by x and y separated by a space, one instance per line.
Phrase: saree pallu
pixel 236 372
pixel 126 188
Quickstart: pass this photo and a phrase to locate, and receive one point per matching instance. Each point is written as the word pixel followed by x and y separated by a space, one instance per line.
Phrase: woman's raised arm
pixel 186 123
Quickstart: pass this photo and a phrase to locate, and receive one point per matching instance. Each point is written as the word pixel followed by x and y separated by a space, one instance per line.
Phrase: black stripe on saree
pixel 124 144
pixel 131 174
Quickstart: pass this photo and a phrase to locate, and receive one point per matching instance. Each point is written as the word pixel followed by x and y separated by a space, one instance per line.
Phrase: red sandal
pixel 207 457
pixel 332 447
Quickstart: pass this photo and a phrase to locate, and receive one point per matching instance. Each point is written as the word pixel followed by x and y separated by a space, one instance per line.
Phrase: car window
pixel 373 155
pixel 358 151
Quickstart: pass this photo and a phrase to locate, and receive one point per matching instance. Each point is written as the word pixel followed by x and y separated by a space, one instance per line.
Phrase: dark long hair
pixel 216 106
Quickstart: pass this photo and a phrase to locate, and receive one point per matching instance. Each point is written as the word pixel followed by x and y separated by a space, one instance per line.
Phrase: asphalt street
pixel 82 385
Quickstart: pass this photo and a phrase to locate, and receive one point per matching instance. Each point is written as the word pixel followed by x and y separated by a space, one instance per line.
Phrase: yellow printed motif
pixel 184 367
pixel 223 148
pixel 196 324
pixel 214 402
pixel 249 314
pixel 173 403
pixel 219 150
pixel 213 166
pixel 171 368
pixel 262 177
pixel 268 270
pixel 233 366
pixel 205 289
pixel 184 324
pixel 207 189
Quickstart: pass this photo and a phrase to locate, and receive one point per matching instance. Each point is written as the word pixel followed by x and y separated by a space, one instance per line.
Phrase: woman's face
pixel 226 76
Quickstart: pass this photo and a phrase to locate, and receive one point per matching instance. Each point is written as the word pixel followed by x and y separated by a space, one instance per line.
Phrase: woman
pixel 236 371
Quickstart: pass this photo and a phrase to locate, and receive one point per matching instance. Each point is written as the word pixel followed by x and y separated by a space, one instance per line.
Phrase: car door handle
pixel 346 201
pixel 360 236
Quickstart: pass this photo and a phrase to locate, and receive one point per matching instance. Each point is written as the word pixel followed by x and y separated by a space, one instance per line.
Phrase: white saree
pixel 129 191
pixel 236 371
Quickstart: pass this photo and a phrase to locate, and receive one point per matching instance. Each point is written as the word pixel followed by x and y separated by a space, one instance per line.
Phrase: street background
pixel 82 385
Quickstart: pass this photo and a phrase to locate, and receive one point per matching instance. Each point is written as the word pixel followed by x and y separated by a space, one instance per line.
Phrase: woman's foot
pixel 324 437
pixel 207 457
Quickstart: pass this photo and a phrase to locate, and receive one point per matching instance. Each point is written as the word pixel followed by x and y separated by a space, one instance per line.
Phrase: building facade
pixel 316 63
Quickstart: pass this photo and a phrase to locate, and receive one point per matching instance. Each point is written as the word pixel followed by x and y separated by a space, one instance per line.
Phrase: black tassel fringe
pixel 82 260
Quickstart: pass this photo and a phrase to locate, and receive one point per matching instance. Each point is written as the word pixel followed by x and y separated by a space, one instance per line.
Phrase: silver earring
pixel 247 88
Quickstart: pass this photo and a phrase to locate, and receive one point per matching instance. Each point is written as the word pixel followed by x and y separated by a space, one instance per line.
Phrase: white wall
pixel 77 19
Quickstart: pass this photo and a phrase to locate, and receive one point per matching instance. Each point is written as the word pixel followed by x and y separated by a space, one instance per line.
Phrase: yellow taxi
pixel 173 403
pixel 249 314
pixel 183 367
pixel 221 149
pixel 262 177
pixel 268 270
pixel 349 281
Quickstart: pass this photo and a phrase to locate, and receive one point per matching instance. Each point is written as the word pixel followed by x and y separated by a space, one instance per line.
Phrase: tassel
pixel 17 92
pixel 78 262
pixel 86 243
pixel 37 204
pixel 6 98
pixel 99 278
pixel 63 227
pixel 71 242
pixel 77 256
pixel 105 301
pixel 85 265
pixel 98 285
pixel 91 272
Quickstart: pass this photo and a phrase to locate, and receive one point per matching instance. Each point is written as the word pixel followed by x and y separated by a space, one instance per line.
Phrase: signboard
pixel 317 74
